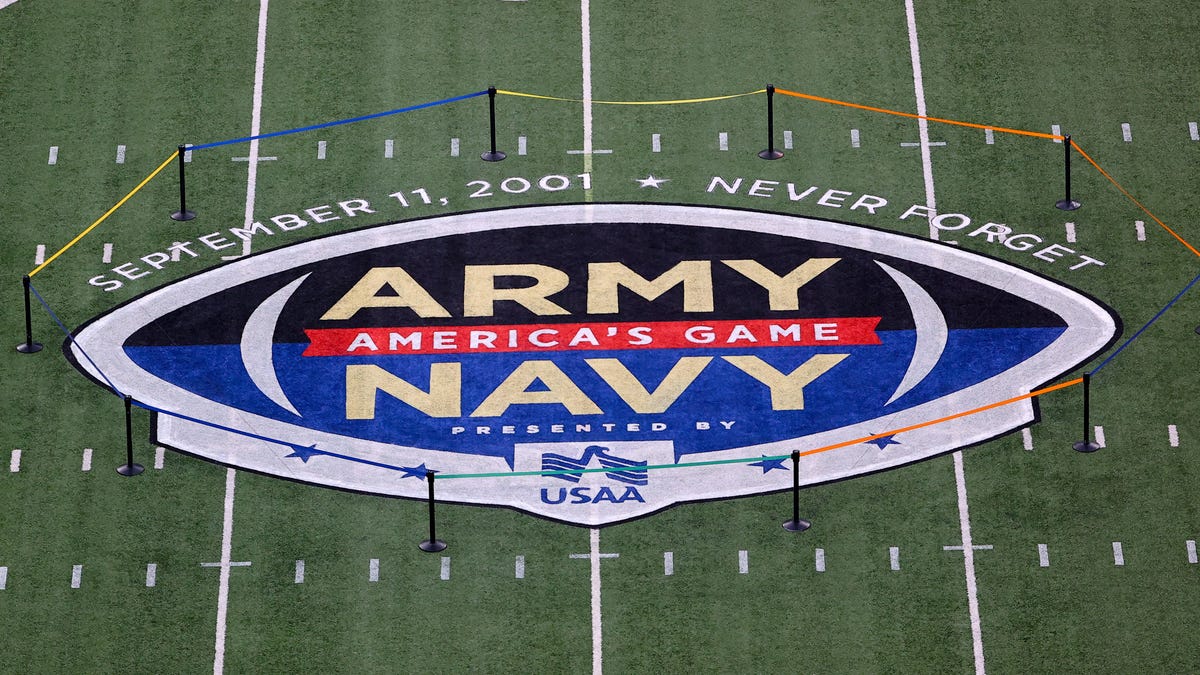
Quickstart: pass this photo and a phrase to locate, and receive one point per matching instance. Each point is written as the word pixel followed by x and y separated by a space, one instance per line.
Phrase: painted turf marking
pixel 597 622
pixel 1126 132
pixel 120 154
pixel 1043 555
pixel 914 51
pixel 989 136
pixel 743 562
pixel 445 568
pixel 298 578
pixel 655 142
pixel 225 565
pixel 14 462
pixel 819 560
pixel 39 254
pixel 1027 438
pixel 1118 554
pixel 1194 130
pixel 3 4
pixel 894 558
pixel 87 460
pixel 1070 228
pixel 668 563
pixel 1191 552
pixel 855 139
pixel 321 145
pixel 76 576
pixel 53 159
pixel 1140 227
pixel 929 144
pixel 373 570
pixel 585 31
pixel 151 575
pixel 519 567
pixel 260 55
pixel 1172 435
pixel 106 256
pixel 1100 437
pixel 593 152
pixel 187 155
pixel 522 146
pixel 3 578
pixel 1057 131
pixel 389 149
pixel 723 141
pixel 787 140
pixel 964 521
pixel 454 147
pixel 160 455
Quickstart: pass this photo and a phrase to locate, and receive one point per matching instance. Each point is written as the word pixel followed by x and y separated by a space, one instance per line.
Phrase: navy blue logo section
pixel 600 339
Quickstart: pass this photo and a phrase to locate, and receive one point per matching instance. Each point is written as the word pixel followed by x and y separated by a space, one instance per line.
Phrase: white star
pixel 651 181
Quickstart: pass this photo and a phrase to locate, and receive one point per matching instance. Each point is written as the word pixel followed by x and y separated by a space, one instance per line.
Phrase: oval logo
pixel 646 344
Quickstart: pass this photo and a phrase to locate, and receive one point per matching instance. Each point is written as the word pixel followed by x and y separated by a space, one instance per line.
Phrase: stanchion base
pixel 183 215
pixel 29 347
pixel 797 525
pixel 130 469
pixel 432 545
pixel 1085 446
pixel 770 154
pixel 1197 330
pixel 1067 204
pixel 492 157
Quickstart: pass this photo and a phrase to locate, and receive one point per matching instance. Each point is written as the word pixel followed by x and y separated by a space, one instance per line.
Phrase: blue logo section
pixel 555 462
pixel 722 408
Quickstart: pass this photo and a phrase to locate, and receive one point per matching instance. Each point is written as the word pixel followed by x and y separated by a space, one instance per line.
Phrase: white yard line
pixel 226 559
pixel 668 563
pixel 964 518
pixel 597 624
pixel 964 523
pixel 585 26
pixel 743 562
pixel 14 462
pixel 255 120
pixel 894 558
pixel 1027 438
pixel 298 578
pixel 87 460
pixel 76 576
pixel 1118 554
pixel 151 575
pixel 445 574
pixel 1043 555
pixel 519 567
pixel 819 560
pixel 1173 435
pixel 914 51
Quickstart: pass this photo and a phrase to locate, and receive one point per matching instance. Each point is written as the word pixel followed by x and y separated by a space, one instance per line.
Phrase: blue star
pixel 769 464
pixel 883 441
pixel 415 471
pixel 305 453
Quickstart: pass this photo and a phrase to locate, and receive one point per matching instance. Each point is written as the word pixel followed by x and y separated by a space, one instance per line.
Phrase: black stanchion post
pixel 1066 203
pixel 28 346
pixel 492 155
pixel 432 544
pixel 770 152
pixel 129 468
pixel 182 213
pixel 1087 445
pixel 796 524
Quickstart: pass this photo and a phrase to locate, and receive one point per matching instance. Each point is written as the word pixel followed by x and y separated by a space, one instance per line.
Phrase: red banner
pixel 594 336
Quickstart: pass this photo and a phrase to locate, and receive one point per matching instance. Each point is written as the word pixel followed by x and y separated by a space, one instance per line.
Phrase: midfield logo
pixel 611 336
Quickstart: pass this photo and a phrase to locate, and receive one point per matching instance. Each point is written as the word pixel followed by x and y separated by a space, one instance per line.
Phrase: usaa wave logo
pixel 592 362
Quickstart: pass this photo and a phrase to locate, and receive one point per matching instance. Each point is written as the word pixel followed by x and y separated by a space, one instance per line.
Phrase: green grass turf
pixel 87 77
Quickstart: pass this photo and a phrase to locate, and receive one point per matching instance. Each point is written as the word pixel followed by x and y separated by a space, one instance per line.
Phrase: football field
pixel 309 128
